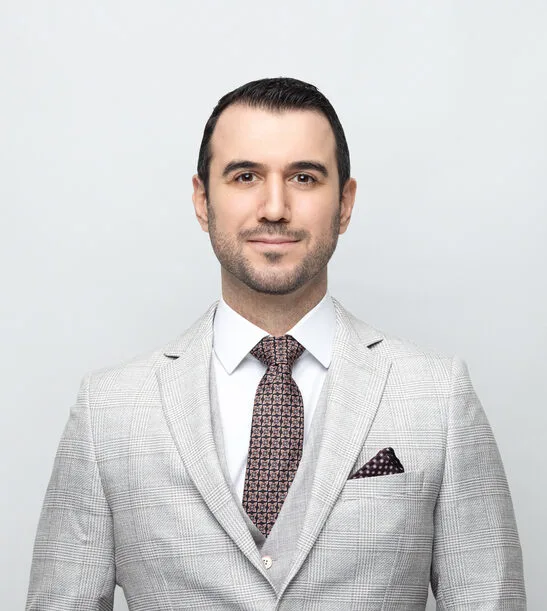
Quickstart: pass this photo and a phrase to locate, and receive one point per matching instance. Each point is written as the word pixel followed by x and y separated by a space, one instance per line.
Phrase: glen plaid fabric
pixel 384 463
pixel 138 498
pixel 277 432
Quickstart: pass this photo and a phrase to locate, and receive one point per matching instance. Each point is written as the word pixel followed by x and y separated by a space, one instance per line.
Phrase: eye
pixel 245 177
pixel 304 179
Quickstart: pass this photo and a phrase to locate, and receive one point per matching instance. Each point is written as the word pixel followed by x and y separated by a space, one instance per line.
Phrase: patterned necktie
pixel 277 432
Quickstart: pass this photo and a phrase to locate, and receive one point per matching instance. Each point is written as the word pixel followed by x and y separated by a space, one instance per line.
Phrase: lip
pixel 272 245
pixel 273 241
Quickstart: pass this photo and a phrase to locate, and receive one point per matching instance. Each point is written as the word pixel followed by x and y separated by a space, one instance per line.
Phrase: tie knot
pixel 282 350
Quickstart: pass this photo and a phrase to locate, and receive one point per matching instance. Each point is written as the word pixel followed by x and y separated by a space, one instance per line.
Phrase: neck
pixel 276 314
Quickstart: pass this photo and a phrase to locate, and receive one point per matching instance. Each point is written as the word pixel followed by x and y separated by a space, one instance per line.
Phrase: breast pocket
pixel 398 485
pixel 382 506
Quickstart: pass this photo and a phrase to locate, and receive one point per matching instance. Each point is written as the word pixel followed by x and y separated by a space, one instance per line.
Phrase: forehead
pixel 272 137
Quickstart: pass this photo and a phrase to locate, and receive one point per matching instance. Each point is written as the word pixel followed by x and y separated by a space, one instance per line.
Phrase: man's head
pixel 273 187
pixel 277 95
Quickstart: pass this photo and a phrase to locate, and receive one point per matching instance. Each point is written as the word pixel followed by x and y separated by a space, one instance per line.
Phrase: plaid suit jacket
pixel 137 496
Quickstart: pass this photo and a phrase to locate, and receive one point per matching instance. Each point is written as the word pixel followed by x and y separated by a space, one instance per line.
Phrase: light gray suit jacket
pixel 140 494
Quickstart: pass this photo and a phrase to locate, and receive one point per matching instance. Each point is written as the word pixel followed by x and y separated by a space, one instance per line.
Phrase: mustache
pixel 275 230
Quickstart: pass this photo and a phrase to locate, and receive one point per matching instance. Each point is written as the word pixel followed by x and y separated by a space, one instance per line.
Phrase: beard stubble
pixel 229 252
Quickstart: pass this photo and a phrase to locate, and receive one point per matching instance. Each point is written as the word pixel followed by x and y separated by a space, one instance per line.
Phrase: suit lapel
pixel 355 382
pixel 184 388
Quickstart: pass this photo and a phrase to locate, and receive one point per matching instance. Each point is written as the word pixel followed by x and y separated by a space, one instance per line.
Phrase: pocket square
pixel 384 463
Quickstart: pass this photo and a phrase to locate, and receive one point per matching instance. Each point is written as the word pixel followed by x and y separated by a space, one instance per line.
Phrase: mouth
pixel 273 241
pixel 276 243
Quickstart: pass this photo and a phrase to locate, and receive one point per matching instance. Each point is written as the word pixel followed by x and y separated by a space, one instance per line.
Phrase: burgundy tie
pixel 277 432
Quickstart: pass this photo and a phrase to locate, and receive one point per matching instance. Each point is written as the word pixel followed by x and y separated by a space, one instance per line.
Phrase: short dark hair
pixel 276 94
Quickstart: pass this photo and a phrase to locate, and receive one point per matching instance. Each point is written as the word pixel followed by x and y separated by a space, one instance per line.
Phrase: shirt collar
pixel 234 336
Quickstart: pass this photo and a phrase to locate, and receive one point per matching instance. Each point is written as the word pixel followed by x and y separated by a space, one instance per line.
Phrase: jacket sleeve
pixel 73 561
pixel 477 559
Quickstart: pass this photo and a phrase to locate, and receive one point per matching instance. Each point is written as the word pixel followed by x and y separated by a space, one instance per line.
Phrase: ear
pixel 346 203
pixel 199 198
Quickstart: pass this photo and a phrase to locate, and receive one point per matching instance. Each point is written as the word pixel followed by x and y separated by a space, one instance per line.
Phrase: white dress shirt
pixel 238 373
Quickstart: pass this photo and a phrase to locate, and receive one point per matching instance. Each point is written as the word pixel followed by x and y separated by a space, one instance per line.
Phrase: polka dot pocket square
pixel 384 463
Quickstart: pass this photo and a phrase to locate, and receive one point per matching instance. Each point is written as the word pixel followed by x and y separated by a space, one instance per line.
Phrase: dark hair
pixel 276 94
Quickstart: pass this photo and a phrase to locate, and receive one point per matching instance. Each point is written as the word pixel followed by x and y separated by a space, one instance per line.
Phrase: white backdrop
pixel 102 105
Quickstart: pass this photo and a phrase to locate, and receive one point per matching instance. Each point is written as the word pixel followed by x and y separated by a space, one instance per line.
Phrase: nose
pixel 274 206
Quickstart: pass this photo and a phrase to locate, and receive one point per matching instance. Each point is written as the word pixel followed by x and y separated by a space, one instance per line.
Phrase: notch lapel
pixel 184 388
pixel 356 380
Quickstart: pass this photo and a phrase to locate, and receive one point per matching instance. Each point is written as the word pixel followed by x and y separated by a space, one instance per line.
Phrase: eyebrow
pixel 241 164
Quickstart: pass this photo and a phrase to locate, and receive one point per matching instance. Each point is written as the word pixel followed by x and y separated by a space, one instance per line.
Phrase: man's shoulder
pixel 130 371
pixel 396 348
pixel 138 371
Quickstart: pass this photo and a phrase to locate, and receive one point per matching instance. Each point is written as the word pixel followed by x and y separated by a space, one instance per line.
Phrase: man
pixel 280 454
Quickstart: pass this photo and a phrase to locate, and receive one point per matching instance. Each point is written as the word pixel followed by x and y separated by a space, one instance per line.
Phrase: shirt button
pixel 267 561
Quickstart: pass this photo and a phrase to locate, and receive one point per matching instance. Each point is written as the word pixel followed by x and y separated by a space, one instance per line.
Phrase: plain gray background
pixel 102 106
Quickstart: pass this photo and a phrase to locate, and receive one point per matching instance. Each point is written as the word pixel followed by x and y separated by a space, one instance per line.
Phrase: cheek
pixel 231 213
pixel 315 208
pixel 319 220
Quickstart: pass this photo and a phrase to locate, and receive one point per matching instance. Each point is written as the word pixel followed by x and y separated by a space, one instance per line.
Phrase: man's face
pixel 274 211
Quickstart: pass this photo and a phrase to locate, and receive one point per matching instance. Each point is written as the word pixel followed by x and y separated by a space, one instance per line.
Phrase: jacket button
pixel 267 561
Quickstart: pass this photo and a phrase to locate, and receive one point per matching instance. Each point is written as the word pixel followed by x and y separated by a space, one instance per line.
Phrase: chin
pixel 273 290
pixel 282 283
